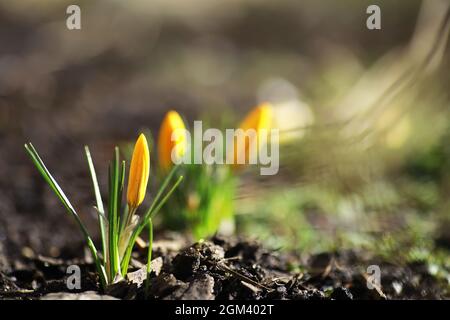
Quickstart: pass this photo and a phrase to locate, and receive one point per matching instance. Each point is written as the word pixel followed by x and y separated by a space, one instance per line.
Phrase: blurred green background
pixel 365 156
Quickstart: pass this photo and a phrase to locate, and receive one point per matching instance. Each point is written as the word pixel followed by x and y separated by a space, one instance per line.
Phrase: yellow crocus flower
pixel 258 119
pixel 168 141
pixel 139 173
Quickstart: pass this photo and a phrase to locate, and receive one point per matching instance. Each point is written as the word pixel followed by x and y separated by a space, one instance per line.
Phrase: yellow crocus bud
pixel 139 172
pixel 260 120
pixel 172 138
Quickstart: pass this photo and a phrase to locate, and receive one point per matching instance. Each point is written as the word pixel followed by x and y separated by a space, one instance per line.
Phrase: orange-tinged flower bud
pixel 259 117
pixel 139 173
pixel 172 138
pixel 260 120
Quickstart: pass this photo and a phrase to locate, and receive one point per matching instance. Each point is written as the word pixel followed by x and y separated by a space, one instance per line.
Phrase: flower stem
pixel 149 255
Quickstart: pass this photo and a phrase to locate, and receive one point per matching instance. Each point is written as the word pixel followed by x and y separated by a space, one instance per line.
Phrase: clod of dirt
pixel 211 251
pixel 123 290
pixel 139 276
pixel 341 293
pixel 6 284
pixel 200 288
pixel 307 294
pixel 186 263
pixel 164 285
pixel 248 251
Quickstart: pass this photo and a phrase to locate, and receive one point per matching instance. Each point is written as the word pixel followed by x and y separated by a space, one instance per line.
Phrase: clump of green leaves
pixel 204 203
pixel 119 224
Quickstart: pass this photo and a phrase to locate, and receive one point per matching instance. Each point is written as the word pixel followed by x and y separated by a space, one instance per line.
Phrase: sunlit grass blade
pixel 161 190
pixel 124 219
pixel 119 197
pixel 163 201
pixel 114 184
pixel 98 197
pixel 65 201
pixel 155 207
pixel 149 255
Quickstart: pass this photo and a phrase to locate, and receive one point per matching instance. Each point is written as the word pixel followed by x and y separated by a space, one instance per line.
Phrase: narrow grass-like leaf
pixel 164 200
pixel 119 197
pixel 126 259
pixel 98 198
pixel 149 255
pixel 145 220
pixel 161 191
pixel 124 219
pixel 114 182
pixel 65 201
pixel 109 264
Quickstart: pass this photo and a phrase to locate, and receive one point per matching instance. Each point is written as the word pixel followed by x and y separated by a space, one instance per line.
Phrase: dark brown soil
pixel 228 269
